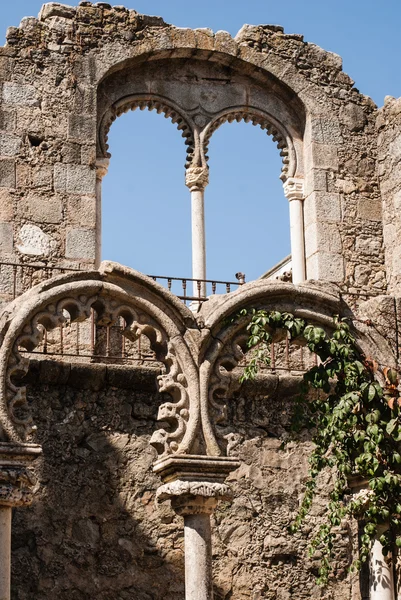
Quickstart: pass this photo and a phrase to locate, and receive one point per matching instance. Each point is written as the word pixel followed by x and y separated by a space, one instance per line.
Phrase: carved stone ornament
pixel 17 481
pixel 294 189
pixel 112 293
pixel 197 178
pixel 194 484
pixel 197 358
pixel 207 489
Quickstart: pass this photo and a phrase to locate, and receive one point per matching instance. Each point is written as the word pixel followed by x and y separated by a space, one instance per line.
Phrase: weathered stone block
pixel 55 9
pixel 88 154
pixel 82 211
pixel 370 209
pixel 6 238
pixel 6 206
pixel 42 177
pixel 82 127
pixel 16 93
pixel 81 243
pixel 321 156
pixel 7 120
pixel 30 119
pixel 395 148
pixel 9 144
pixel 322 235
pixel 322 206
pixel 315 181
pixel 74 179
pixel 368 245
pixel 33 241
pixel 5 68
pixel 42 209
pixel 324 131
pixel 7 173
pixel 353 116
pixel 327 266
pixel 71 152
pixel 6 279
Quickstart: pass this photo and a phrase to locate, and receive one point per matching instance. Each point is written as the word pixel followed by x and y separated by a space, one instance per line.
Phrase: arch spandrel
pixel 113 291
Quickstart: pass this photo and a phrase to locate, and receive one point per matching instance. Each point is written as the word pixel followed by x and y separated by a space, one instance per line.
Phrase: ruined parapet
pixel 389 169
pixel 64 79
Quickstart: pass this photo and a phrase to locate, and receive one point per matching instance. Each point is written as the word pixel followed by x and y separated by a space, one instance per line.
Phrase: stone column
pixel 381 572
pixel 196 180
pixel 194 484
pixel 381 577
pixel 16 484
pixel 294 192
pixel 102 166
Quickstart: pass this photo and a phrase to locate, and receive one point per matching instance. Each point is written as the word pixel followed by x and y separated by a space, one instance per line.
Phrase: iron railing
pixel 88 341
pixel 17 278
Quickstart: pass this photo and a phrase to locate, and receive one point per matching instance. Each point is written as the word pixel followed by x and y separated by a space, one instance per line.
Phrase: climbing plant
pixel 357 430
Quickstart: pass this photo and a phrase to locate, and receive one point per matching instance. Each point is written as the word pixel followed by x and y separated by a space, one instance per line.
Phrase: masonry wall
pixel 94 529
pixel 51 71
pixel 389 168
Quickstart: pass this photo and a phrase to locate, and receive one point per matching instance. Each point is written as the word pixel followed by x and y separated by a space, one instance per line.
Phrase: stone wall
pixel 94 529
pixel 389 167
pixel 58 72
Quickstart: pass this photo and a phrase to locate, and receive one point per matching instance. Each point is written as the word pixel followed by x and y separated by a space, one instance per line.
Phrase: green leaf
pixel 391 425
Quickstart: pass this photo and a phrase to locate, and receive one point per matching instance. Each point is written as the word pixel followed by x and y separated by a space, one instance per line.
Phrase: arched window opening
pixel 146 210
pixel 247 213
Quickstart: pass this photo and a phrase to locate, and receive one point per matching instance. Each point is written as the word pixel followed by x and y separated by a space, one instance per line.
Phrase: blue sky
pixel 146 206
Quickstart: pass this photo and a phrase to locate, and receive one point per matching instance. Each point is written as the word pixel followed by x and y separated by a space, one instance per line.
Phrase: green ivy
pixel 357 425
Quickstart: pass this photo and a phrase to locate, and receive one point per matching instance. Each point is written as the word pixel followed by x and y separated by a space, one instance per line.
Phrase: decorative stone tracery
pixel 194 453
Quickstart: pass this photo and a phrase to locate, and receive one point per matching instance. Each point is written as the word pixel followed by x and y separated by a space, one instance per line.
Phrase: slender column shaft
pixel 297 241
pixel 294 191
pixel 102 166
pixel 198 240
pixel 196 179
pixel 5 552
pixel 198 557
pixel 381 575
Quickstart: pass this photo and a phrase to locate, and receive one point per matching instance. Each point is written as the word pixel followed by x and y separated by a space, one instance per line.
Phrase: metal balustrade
pixel 17 278
pixel 88 341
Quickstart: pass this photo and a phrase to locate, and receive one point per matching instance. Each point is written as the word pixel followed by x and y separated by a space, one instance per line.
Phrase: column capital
pixel 294 188
pixel 197 178
pixel 194 484
pixel 193 497
pixel 102 167
pixel 16 480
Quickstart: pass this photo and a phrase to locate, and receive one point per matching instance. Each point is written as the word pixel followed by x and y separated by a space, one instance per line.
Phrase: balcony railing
pixel 17 278
pixel 88 341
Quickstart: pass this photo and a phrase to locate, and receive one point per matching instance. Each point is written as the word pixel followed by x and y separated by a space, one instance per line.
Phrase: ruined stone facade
pixel 93 528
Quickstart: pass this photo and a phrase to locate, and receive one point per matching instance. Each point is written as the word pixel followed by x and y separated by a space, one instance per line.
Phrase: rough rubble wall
pixel 94 529
pixel 50 71
pixel 389 168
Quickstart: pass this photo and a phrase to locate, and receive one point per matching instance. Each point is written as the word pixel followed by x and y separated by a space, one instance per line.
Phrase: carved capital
pixel 16 479
pixel 294 189
pixel 197 178
pixel 102 167
pixel 183 488
pixel 193 497
pixel 194 484
pixel 193 505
